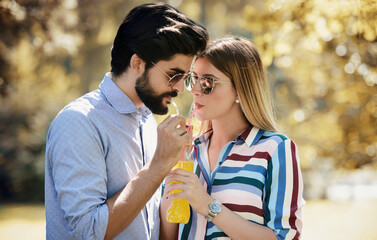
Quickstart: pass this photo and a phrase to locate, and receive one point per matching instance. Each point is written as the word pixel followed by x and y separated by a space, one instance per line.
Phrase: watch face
pixel 215 207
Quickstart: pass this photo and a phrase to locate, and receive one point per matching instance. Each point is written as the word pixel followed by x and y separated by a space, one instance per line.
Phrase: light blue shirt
pixel 95 146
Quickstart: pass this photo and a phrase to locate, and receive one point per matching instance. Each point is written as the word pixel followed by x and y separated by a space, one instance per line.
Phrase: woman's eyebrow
pixel 209 75
pixel 205 75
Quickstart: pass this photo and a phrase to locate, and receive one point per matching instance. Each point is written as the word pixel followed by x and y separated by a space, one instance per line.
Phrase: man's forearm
pixel 126 204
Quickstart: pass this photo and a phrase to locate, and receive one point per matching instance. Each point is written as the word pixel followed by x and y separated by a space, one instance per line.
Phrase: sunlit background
pixel 321 59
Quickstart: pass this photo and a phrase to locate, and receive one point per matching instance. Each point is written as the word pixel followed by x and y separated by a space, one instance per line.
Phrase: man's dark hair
pixel 155 32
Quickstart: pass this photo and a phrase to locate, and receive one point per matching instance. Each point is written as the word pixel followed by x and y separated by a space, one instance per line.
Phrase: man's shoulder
pixel 84 104
pixel 82 108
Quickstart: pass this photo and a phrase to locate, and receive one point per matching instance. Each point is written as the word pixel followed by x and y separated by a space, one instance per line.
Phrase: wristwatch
pixel 214 209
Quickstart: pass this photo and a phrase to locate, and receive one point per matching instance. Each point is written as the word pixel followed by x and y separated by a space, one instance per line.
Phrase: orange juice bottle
pixel 179 209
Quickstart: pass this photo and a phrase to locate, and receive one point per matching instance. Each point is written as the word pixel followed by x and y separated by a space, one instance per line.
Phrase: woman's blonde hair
pixel 240 61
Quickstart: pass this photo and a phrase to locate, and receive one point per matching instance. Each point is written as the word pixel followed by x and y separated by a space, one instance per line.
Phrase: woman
pixel 247 181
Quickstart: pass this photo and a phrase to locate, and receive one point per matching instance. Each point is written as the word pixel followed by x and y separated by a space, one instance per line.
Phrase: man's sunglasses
pixel 175 78
pixel 206 83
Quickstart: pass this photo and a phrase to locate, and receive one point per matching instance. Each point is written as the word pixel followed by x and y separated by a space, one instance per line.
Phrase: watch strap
pixel 210 216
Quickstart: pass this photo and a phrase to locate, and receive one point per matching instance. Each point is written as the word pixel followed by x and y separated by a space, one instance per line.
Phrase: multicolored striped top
pixel 257 176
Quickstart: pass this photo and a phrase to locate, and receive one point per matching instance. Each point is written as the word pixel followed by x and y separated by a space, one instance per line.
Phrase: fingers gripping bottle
pixel 179 209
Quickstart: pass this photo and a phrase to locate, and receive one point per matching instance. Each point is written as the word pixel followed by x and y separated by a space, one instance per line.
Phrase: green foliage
pixel 326 51
pixel 51 52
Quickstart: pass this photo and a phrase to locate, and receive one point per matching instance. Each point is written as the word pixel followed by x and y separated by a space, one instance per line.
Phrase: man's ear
pixel 137 64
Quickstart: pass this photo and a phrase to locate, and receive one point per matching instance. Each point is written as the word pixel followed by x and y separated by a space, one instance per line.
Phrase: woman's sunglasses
pixel 206 83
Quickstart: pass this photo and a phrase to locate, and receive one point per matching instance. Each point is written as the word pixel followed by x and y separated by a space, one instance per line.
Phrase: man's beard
pixel 149 96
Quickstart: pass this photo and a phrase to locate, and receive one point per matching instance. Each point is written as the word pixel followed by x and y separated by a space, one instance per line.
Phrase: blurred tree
pixel 51 52
pixel 23 87
pixel 321 56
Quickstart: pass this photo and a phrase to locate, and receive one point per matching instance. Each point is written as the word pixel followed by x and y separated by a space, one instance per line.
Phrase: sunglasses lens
pixel 189 82
pixel 206 85
pixel 176 78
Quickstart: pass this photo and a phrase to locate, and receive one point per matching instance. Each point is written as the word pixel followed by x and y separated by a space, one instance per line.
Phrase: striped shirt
pixel 257 176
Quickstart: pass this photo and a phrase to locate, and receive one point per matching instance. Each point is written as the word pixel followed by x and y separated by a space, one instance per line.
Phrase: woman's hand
pixel 228 221
pixel 192 190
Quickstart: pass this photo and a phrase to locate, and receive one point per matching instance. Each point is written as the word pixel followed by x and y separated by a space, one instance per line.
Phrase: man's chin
pixel 158 105
pixel 160 110
pixel 163 108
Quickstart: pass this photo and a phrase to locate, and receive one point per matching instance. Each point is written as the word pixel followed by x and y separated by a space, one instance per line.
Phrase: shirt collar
pixel 250 136
pixel 118 99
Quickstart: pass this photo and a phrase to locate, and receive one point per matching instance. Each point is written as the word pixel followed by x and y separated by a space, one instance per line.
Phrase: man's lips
pixel 168 99
pixel 169 96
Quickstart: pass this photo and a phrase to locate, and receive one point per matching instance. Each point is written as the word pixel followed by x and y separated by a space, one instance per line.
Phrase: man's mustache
pixel 169 94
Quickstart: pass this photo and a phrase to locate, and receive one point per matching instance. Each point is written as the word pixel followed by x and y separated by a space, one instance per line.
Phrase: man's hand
pixel 172 135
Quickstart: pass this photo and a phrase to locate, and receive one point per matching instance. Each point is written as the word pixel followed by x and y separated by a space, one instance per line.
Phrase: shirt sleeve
pixel 78 167
pixel 283 192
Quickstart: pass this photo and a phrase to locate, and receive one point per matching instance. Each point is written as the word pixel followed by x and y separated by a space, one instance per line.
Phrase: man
pixel 105 160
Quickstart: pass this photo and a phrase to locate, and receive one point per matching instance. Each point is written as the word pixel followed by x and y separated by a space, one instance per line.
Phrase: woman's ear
pixel 137 64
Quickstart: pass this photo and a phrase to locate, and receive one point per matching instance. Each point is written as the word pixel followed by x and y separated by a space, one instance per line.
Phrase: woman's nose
pixel 195 90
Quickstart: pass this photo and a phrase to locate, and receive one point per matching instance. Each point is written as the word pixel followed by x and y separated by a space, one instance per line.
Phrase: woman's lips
pixel 198 105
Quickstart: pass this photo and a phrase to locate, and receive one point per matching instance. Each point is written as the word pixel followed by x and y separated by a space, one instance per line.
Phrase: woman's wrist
pixel 205 206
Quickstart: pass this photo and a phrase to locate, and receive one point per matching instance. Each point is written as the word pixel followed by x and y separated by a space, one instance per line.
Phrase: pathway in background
pixel 340 220
pixel 19 222
pixel 325 220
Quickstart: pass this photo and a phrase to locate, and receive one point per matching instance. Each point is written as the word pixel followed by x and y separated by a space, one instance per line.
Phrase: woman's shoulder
pixel 275 136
